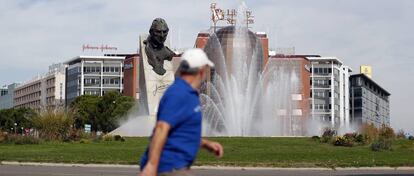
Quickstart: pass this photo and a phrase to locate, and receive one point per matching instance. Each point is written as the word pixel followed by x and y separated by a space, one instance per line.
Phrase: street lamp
pixel 15 128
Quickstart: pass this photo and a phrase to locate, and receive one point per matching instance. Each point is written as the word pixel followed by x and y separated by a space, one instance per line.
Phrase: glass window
pixel 357 92
pixel 358 102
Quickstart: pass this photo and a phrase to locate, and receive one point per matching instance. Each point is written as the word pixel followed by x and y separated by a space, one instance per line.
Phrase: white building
pixel 44 91
pixel 330 91
pixel 93 75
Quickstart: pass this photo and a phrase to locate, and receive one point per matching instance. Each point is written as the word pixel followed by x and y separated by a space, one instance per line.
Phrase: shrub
pixel 78 134
pixel 20 140
pixel 27 140
pixel 369 132
pixel 328 135
pixel 410 137
pixel 316 138
pixel 386 132
pixel 2 136
pixel 360 139
pixel 351 136
pixel 108 138
pixel 84 141
pixel 343 141
pixel 381 144
pixel 53 125
pixel 117 137
pixel 400 134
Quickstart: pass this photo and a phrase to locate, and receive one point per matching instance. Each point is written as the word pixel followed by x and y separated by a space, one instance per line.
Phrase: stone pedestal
pixel 152 86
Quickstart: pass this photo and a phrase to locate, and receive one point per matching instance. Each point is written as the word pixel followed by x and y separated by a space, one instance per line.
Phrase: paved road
pixel 14 170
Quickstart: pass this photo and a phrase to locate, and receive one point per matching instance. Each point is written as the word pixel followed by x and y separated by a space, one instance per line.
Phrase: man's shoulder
pixel 176 92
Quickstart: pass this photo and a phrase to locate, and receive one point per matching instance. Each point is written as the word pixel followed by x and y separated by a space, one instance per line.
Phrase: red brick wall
pixel 201 40
pixel 131 76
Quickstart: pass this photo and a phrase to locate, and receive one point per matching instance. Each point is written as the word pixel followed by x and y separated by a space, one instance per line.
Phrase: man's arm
pixel 213 147
pixel 157 144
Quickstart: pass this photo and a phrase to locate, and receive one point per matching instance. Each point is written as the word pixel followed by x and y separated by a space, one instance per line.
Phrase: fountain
pixel 243 96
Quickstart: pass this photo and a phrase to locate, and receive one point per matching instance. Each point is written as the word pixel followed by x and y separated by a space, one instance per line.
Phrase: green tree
pixel 114 106
pixel 103 113
pixel 21 116
pixel 85 110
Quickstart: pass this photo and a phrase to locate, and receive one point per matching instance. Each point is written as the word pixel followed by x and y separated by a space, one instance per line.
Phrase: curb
pixel 15 163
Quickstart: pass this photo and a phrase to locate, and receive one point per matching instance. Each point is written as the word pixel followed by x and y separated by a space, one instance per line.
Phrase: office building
pixel 93 75
pixel 44 91
pixel 297 67
pixel 369 101
pixel 6 97
pixel 329 82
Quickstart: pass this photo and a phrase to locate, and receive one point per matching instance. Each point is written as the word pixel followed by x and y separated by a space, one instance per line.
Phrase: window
pixel 296 97
pixel 297 112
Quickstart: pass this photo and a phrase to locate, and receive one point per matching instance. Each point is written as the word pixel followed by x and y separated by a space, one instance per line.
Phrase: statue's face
pixel 159 34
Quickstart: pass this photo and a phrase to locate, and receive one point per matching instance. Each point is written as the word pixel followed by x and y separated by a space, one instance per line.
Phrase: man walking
pixel 176 138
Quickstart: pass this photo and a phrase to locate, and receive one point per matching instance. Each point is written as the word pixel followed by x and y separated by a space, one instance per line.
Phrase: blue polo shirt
pixel 180 108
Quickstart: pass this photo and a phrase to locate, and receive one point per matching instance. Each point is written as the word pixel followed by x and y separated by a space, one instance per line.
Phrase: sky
pixel 37 33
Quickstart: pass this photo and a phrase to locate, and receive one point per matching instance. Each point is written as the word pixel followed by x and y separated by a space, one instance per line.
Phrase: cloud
pixel 36 33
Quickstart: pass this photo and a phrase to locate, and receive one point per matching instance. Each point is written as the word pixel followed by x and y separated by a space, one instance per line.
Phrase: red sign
pixel 102 47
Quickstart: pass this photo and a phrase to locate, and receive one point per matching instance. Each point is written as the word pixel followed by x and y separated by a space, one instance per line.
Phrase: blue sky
pixel 37 33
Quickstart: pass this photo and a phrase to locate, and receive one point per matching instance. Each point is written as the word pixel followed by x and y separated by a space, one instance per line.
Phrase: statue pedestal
pixel 151 85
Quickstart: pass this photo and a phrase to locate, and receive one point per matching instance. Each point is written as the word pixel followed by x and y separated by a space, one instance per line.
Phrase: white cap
pixel 196 58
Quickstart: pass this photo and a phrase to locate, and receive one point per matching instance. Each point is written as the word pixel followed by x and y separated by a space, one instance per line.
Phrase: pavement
pixel 56 169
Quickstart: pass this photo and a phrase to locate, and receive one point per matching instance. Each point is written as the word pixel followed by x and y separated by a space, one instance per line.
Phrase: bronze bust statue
pixel 154 46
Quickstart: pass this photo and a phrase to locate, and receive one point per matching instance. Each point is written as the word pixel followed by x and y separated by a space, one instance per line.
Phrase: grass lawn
pixel 278 152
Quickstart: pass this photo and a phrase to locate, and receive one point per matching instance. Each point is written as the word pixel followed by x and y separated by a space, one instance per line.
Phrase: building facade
pixel 329 95
pixel 93 75
pixel 131 86
pixel 3 90
pixel 369 102
pixel 6 97
pixel 46 91
pixel 297 67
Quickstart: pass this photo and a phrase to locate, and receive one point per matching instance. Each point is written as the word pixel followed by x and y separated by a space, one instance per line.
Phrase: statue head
pixel 158 31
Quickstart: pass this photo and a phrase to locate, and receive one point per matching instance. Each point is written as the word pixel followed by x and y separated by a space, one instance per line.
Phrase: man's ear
pixel 203 71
